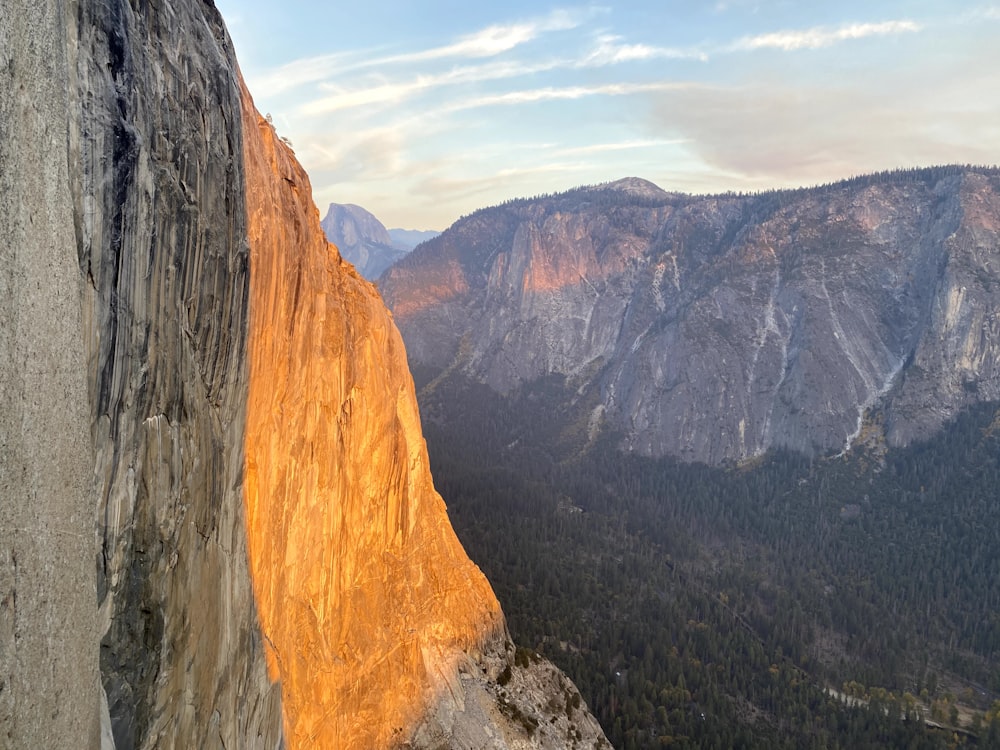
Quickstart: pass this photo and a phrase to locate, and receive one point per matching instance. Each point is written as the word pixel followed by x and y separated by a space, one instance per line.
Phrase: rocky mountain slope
pixel 361 239
pixel 193 372
pixel 714 328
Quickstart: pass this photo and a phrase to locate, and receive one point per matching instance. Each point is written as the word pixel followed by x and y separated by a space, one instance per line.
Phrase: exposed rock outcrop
pixel 366 596
pixel 380 629
pixel 715 328
pixel 508 700
pixel 361 239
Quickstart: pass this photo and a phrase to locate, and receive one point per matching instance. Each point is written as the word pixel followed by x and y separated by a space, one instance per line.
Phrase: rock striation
pixel 201 397
pixel 715 328
pixel 361 239
pixel 156 162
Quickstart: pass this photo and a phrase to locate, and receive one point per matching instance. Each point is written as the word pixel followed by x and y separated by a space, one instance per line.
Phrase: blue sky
pixel 424 111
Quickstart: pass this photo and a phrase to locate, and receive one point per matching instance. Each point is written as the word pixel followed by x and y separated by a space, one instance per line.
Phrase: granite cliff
pixel 49 687
pixel 714 328
pixel 361 238
pixel 192 372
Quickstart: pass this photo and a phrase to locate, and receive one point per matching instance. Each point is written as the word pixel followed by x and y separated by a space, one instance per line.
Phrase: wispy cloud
pixel 991 12
pixel 822 36
pixel 611 50
pixel 299 73
pixel 381 92
pixel 488 42
pixel 565 93
pixel 802 134
pixel 497 38
pixel 597 148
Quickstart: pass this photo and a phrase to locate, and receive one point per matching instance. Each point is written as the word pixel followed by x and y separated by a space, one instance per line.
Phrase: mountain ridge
pixel 678 310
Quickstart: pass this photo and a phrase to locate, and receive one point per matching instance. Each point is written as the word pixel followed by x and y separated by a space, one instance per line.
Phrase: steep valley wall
pixel 715 328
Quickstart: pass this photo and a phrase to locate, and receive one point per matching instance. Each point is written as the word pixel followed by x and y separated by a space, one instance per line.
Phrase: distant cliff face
pixel 714 328
pixel 191 371
pixel 361 239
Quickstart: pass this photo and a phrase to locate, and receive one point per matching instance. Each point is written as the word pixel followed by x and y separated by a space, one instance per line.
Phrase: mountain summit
pixel 634 186
pixel 361 238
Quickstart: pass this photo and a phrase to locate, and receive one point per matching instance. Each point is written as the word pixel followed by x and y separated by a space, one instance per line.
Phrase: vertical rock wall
pixel 366 597
pixel 157 151
pixel 48 657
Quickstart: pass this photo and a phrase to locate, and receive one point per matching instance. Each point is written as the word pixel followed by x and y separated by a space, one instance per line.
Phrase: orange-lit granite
pixel 365 595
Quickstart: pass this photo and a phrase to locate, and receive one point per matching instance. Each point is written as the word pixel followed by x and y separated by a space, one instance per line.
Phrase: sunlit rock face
pixel 366 598
pixel 381 631
pixel 715 328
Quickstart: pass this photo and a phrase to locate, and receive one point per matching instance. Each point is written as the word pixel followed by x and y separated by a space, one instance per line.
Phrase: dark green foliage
pixel 512 712
pixel 701 607
pixel 505 676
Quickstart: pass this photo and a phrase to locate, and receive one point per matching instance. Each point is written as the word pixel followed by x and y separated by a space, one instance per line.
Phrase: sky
pixel 424 111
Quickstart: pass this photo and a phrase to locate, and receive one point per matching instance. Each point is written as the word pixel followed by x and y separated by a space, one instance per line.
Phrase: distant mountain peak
pixel 635 186
pixel 361 238
pixel 407 239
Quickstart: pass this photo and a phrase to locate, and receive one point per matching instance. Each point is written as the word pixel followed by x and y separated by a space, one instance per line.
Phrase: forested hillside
pixel 720 607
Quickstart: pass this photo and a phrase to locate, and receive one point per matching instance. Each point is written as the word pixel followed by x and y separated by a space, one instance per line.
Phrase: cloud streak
pixel 567 93
pixel 341 98
pixel 495 39
pixel 820 36
pixel 598 148
pixel 488 42
pixel 611 50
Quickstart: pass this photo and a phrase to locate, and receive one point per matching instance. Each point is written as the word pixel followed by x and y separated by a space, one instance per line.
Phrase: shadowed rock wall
pixel 49 687
pixel 157 152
